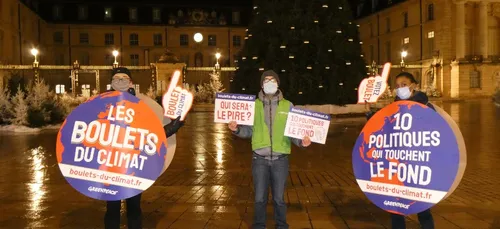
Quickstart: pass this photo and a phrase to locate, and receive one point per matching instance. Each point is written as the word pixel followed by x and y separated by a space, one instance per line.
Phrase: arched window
pixel 430 12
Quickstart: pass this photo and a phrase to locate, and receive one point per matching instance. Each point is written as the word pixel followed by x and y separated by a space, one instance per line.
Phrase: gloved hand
pixel 173 126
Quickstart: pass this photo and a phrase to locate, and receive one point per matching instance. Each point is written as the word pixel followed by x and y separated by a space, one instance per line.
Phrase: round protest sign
pixel 111 147
pixel 172 142
pixel 406 158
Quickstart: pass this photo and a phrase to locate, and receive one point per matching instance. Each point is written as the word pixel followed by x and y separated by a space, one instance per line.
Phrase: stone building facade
pixel 453 46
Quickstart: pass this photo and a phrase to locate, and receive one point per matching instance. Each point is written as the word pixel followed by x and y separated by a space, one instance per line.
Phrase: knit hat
pixel 121 70
pixel 269 73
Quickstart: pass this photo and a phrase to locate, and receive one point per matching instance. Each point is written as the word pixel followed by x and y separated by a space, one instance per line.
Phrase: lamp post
pixel 403 55
pixel 34 52
pixel 115 54
pixel 75 75
pixel 217 65
pixel 198 38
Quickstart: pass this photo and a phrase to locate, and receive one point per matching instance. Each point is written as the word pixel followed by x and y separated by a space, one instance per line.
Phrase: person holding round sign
pixel 270 149
pixel 405 91
pixel 113 147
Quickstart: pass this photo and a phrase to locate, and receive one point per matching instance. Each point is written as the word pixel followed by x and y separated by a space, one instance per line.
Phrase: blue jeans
pixel 269 172
pixel 425 219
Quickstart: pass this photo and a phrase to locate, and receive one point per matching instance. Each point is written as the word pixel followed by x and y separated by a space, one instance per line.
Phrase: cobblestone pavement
pixel 208 184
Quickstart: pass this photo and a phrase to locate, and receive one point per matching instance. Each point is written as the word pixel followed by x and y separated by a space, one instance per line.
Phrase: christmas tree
pixel 19 109
pixel 313 45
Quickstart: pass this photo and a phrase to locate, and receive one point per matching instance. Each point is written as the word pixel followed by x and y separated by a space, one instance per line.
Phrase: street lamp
pixel 115 54
pixel 34 52
pixel 217 65
pixel 198 37
pixel 403 55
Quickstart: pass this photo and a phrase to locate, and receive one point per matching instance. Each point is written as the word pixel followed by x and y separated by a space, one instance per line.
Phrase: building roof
pixel 363 8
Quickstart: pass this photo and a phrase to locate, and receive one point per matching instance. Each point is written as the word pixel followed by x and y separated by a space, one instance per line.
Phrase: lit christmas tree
pixel 313 45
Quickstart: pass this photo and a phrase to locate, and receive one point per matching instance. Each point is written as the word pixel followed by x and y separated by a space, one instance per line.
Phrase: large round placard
pixel 111 147
pixel 406 158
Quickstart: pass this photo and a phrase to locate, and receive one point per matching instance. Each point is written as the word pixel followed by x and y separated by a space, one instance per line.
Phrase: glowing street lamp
pixel 34 52
pixel 217 56
pixel 403 56
pixel 115 54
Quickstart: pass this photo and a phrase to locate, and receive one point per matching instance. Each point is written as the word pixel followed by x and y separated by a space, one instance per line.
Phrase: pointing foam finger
pixel 386 71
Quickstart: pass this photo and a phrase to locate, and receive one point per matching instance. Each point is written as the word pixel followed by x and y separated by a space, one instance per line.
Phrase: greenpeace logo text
pixel 102 190
pixel 396 204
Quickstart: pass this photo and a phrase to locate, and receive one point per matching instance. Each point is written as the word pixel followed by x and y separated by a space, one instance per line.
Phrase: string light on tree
pixel 340 7
pixel 309 67
pixel 254 58
pixel 348 63
pixel 291 57
pixel 341 84
pixel 306 42
pixel 261 69
pixel 269 22
pixel 250 35
pixel 283 70
pixel 292 28
pixel 316 21
pixel 339 31
pixel 327 67
pixel 255 7
pixel 329 50
pixel 360 42
pixel 300 93
pixel 325 6
pixel 246 38
pixel 283 46
pixel 244 58
pixel 351 40
pixel 320 86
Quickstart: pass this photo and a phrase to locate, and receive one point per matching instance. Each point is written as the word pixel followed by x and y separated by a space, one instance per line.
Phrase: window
pixel 236 17
pixel 109 39
pixel 387 25
pixel 108 13
pixel 156 15
pixel 57 12
pixel 136 87
pixel 60 89
pixel 236 41
pixel 85 59
pixel 134 39
pixel 132 14
pixel 184 40
pixel 388 51
pixel 405 19
pixel 158 40
pixel 430 12
pixel 58 37
pixel 212 40
pixel 134 60
pixel 406 40
pixel 430 34
pixel 59 59
pixel 82 13
pixel 84 38
pixel 475 79
pixel 86 90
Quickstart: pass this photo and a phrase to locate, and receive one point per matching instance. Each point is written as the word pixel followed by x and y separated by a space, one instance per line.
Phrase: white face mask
pixel 403 92
pixel 270 88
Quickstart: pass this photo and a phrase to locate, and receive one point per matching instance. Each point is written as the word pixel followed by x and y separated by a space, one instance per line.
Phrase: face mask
pixel 403 92
pixel 270 88
pixel 120 84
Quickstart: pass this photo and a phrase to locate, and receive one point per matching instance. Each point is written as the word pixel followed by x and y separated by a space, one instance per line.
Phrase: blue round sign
pixel 406 158
pixel 111 147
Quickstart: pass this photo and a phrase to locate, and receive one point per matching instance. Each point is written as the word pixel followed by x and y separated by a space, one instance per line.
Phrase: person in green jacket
pixel 270 149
